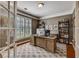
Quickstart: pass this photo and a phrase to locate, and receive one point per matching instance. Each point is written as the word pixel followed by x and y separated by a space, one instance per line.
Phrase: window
pixel 23 27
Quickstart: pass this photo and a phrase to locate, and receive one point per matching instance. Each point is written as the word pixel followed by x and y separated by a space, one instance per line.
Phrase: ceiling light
pixel 40 5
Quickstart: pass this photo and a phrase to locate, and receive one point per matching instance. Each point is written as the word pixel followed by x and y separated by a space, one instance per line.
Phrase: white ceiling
pixel 50 9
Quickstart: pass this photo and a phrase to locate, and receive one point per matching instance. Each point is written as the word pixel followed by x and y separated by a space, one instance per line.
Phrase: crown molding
pixel 23 13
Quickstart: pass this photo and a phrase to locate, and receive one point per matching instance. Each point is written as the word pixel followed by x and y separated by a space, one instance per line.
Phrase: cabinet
pixel 50 44
pixel 38 42
pixel 44 43
pixel 32 40
pixel 41 42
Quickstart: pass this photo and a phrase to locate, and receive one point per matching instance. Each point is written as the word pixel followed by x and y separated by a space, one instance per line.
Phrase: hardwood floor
pixel 70 51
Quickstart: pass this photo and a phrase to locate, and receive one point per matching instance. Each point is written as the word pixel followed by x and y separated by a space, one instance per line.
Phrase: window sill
pixel 23 39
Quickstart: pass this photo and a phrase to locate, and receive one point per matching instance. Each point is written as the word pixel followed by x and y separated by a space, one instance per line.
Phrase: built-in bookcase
pixel 63 27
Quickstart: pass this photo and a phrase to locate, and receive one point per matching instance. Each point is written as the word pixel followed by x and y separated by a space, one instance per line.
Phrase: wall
pixel 73 28
pixel 77 29
pixel 54 22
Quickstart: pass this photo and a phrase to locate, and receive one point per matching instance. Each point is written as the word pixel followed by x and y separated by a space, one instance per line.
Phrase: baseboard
pixel 20 43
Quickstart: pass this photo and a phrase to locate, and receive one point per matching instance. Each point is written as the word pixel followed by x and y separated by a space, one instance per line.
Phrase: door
pixel 7 27
pixel 43 43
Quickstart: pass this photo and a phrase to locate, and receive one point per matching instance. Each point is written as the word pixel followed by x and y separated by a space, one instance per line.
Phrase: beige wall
pixel 54 21
pixel 77 29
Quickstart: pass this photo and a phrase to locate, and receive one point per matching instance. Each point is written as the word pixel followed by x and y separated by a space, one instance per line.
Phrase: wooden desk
pixel 48 43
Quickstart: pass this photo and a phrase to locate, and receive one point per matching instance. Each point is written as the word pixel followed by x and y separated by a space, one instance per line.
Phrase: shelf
pixel 63 38
pixel 63 42
pixel 64 22
pixel 63 31
pixel 63 27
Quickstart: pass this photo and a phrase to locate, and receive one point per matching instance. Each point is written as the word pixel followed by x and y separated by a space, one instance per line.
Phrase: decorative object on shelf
pixel 42 24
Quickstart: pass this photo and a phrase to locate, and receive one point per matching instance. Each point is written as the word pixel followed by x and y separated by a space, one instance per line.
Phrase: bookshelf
pixel 63 28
